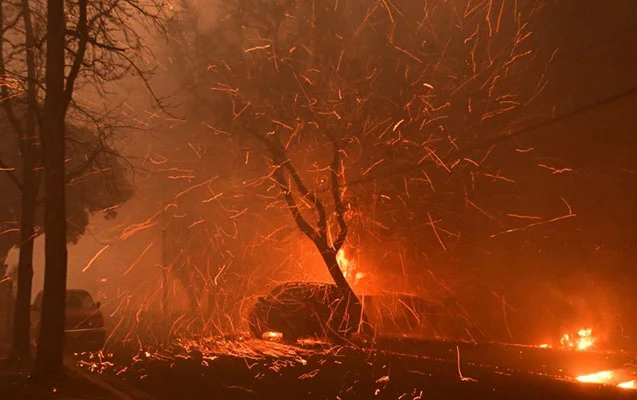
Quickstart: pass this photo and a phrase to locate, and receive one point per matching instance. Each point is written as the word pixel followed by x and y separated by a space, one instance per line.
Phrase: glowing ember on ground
pixel 272 335
pixel 597 377
pixel 628 385
pixel 607 378
pixel 583 341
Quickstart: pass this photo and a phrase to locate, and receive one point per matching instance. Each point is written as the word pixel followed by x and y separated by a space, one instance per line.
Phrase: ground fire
pixel 583 340
pixel 608 378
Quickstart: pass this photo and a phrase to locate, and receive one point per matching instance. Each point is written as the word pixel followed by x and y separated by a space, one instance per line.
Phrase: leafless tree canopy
pixel 352 91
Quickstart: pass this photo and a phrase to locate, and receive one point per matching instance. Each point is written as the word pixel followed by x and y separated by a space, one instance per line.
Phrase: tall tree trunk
pixel 48 363
pixel 353 307
pixel 21 343
pixel 22 315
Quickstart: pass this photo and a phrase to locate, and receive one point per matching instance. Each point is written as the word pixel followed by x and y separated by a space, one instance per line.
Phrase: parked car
pixel 297 310
pixel 84 322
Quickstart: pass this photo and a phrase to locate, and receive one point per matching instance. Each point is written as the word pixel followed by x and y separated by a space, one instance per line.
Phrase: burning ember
pixel 628 385
pixel 597 377
pixel 583 341
pixel 607 378
pixel 270 335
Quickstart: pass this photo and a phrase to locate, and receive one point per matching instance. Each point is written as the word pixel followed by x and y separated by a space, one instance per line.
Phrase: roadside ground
pixel 15 384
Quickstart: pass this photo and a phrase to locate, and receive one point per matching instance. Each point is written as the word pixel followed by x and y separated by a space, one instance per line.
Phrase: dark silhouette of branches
pixel 101 42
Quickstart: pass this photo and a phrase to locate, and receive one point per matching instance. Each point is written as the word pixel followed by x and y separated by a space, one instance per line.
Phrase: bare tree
pixel 96 183
pixel 323 88
pixel 102 42
pixel 29 182
pixel 22 39
pixel 51 344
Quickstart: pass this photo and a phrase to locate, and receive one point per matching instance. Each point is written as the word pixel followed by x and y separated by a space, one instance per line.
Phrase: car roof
pixel 304 284
pixel 304 287
pixel 394 295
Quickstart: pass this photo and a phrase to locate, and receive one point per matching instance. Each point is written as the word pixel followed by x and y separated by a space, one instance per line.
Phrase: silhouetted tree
pixel 96 182
pixel 95 55
pixel 51 344
pixel 324 88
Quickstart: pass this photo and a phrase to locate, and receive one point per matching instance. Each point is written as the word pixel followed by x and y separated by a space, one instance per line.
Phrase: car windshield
pixel 79 301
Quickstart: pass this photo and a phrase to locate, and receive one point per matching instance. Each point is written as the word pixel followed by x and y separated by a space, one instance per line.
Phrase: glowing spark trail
pixel 102 250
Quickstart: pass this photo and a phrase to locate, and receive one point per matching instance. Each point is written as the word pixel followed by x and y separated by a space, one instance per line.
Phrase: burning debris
pixel 619 378
pixel 349 268
pixel 582 341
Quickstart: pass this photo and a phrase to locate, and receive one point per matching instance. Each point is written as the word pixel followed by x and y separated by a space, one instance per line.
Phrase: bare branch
pixel 278 153
pixel 336 196
pixel 86 165
pixel 76 34
pixel 4 88
pixel 79 56
pixel 305 227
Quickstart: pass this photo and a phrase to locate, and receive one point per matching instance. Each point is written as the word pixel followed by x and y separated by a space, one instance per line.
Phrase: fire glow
pixel 582 342
pixel 271 335
pixel 348 267
pixel 606 378
pixel 597 377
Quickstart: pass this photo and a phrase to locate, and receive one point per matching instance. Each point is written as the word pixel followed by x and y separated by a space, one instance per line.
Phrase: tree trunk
pixel 353 305
pixel 21 343
pixel 22 315
pixel 329 257
pixel 48 363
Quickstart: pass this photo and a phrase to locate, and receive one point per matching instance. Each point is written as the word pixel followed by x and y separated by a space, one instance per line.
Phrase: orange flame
pixel 348 267
pixel 344 263
pixel 597 377
pixel 271 335
pixel 606 378
pixel 583 341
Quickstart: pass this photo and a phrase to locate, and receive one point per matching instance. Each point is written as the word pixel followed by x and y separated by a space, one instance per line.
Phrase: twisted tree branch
pixel 336 196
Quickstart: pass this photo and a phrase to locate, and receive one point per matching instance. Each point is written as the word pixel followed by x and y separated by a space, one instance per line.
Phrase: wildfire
pixel 584 340
pixel 344 263
pixel 607 378
pixel 597 377
pixel 628 385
